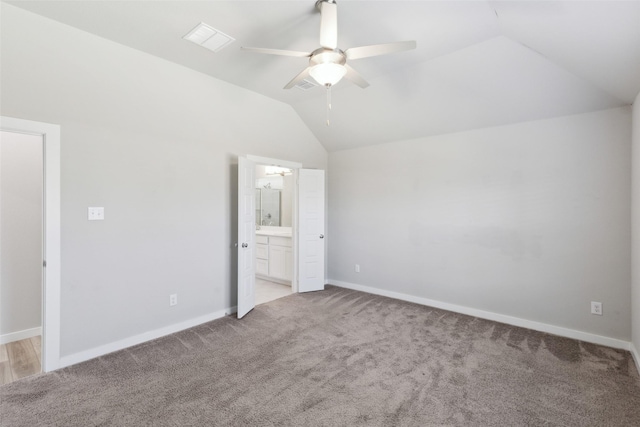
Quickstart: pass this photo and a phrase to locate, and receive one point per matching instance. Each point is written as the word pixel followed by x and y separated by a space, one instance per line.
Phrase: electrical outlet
pixel 596 308
pixel 96 213
pixel 173 299
pixel 357 268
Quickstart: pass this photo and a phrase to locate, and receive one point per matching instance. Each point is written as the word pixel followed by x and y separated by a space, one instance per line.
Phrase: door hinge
pixel 44 263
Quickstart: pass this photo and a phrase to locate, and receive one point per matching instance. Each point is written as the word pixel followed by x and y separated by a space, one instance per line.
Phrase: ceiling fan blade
pixel 328 25
pixel 379 49
pixel 297 79
pixel 355 77
pixel 277 52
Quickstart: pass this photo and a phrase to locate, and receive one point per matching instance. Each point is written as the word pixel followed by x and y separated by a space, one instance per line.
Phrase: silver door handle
pixel 322 236
pixel 245 245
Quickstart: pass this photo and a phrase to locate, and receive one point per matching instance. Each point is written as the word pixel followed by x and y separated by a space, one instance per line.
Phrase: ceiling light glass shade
pixel 327 73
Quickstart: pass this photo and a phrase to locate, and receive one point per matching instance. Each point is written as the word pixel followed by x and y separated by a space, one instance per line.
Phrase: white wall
pixel 635 215
pixel 156 144
pixel 20 234
pixel 529 220
pixel 287 201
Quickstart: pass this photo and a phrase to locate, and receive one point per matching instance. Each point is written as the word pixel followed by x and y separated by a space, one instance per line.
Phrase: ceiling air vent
pixel 306 85
pixel 207 36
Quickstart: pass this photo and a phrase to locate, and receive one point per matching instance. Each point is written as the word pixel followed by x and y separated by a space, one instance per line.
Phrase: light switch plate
pixel 96 213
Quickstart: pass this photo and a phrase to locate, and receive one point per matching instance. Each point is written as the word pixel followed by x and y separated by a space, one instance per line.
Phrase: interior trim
pixel 92 353
pixel 502 318
pixel 636 355
pixel 274 162
pixel 51 242
pixel 20 335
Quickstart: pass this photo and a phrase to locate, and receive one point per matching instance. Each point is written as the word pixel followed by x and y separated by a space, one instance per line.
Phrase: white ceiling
pixel 478 63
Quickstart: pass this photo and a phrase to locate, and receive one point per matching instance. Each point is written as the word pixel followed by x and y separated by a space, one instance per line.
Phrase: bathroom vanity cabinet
pixel 274 257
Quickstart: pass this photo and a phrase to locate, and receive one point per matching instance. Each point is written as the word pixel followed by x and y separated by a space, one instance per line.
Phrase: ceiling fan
pixel 328 64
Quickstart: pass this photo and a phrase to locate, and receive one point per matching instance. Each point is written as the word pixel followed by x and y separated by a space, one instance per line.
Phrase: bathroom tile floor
pixel 268 291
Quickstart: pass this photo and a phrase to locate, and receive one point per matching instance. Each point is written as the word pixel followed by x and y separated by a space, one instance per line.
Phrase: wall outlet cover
pixel 96 213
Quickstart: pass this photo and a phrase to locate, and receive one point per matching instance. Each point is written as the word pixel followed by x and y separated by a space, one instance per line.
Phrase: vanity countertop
pixel 274 231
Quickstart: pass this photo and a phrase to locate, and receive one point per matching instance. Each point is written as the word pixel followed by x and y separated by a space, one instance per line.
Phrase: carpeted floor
pixel 338 358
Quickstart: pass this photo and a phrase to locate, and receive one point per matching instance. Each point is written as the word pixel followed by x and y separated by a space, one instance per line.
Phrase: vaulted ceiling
pixel 477 64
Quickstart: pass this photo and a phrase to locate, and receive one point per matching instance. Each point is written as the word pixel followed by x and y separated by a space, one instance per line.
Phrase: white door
pixel 246 236
pixel 311 230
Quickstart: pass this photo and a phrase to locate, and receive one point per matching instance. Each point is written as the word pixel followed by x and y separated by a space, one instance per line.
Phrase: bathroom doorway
pixel 306 241
pixel 274 220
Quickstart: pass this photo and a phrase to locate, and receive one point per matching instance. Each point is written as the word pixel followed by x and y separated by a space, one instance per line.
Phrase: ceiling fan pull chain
pixel 328 86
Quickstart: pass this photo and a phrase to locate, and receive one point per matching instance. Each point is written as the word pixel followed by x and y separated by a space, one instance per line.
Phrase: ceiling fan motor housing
pixel 327 56
pixel 319 3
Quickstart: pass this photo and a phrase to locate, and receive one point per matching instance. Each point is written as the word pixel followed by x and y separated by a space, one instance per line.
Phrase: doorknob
pixel 245 245
pixel 322 236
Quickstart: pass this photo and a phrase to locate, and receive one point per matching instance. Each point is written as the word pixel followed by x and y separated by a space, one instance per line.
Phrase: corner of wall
pixel 635 232
pixel 635 355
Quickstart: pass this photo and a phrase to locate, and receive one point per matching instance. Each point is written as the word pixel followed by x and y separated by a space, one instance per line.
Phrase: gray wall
pixel 635 262
pixel 529 220
pixel 156 144
pixel 287 200
pixel 20 232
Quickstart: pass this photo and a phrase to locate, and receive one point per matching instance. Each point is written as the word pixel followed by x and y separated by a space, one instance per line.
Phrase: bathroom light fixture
pixel 276 170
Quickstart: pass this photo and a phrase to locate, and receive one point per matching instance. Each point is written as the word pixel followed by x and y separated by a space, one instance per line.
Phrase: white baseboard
pixel 636 356
pixel 92 353
pixel 502 318
pixel 20 335
pixel 274 280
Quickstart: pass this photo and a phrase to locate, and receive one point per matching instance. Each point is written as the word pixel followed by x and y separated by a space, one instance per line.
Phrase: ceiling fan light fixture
pixel 328 73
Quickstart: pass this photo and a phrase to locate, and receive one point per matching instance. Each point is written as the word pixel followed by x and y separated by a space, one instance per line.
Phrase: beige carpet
pixel 338 358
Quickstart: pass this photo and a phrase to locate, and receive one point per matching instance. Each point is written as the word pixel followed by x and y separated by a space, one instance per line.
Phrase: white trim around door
pixel 308 217
pixel 51 240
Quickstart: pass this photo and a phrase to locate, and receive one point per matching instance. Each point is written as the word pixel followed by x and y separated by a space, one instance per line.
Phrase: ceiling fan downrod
pixel 328 86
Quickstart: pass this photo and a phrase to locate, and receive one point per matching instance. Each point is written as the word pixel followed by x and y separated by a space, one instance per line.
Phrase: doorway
pixel 47 257
pixel 306 239
pixel 21 255
pixel 274 225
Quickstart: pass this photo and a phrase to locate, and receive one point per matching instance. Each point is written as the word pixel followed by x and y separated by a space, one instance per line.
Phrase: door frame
pixel 295 166
pixel 50 134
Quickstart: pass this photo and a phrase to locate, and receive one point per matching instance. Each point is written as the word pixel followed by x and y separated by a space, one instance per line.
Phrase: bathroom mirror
pixel 268 207
pixel 274 197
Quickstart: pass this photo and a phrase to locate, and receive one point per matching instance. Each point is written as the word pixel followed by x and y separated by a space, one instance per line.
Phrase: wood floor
pixel 20 359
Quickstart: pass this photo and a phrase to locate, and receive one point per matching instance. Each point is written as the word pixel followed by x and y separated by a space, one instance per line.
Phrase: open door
pixel 311 230
pixel 246 236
